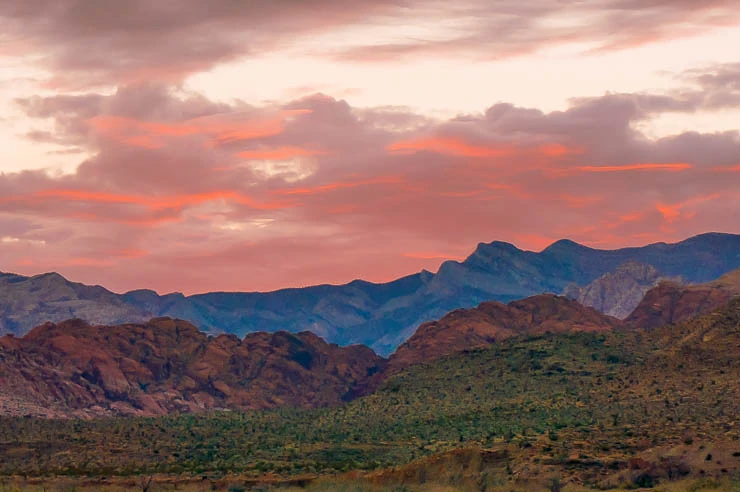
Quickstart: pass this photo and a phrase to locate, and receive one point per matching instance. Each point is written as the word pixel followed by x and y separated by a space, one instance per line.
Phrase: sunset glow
pixel 277 144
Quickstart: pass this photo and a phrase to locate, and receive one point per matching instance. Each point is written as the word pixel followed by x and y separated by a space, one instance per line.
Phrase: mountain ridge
pixel 76 369
pixel 380 315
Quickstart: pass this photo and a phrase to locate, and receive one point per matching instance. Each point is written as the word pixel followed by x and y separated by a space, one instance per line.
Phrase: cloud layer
pixel 84 44
pixel 179 192
pixel 183 193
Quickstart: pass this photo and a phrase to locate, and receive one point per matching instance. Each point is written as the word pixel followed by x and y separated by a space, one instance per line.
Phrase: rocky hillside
pixel 491 322
pixel 619 410
pixel 670 302
pixel 379 315
pixel 618 293
pixel 166 365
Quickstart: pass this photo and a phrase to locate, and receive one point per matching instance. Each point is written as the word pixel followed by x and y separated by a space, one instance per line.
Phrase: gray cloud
pixel 86 43
pixel 507 28
pixel 111 42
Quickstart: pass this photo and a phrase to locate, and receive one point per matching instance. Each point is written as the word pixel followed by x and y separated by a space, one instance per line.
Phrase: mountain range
pixel 75 369
pixel 380 315
pixel 539 391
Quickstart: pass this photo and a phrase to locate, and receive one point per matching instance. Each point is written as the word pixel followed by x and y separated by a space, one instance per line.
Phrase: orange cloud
pixel 558 150
pixel 672 212
pixel 447 146
pixel 458 147
pixel 732 169
pixel 156 202
pixel 221 129
pixel 674 167
pixel 340 185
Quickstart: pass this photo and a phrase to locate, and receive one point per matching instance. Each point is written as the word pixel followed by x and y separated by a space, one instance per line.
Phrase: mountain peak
pixel 51 277
pixel 492 250
pixel 565 245
pixel 501 245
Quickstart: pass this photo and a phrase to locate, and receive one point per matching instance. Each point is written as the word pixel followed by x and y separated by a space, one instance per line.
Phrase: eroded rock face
pixel 618 293
pixel 669 302
pixel 466 329
pixel 167 365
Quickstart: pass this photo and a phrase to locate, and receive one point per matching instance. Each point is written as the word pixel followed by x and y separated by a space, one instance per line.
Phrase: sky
pixel 193 146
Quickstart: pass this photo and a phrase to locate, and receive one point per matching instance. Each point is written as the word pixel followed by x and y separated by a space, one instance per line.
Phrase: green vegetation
pixel 582 404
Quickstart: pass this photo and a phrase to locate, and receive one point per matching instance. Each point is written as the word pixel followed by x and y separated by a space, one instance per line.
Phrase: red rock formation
pixel 166 365
pixel 670 303
pixel 466 329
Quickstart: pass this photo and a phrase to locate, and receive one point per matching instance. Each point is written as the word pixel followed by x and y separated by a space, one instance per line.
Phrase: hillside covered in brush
pixel 602 408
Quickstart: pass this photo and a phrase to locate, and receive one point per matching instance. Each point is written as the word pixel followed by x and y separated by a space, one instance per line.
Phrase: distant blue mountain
pixel 378 315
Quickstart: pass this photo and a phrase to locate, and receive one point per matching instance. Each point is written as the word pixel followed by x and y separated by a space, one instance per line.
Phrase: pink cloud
pixel 675 211
pixel 502 30
pixel 281 153
pixel 732 169
pixel 672 167
pixel 341 193
pixel 380 180
pixel 447 146
pixel 108 43
pixel 433 256
pixel 218 129
pixel 458 147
